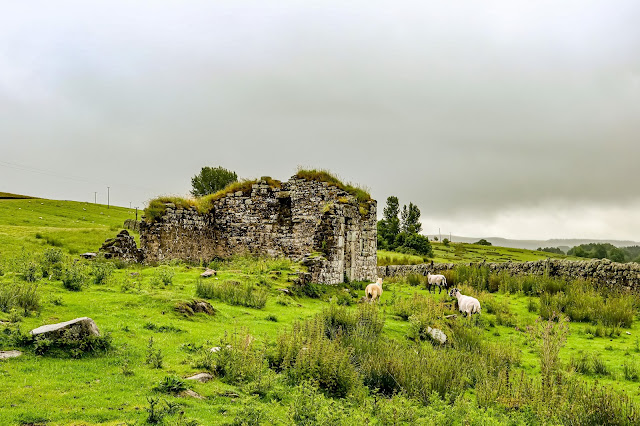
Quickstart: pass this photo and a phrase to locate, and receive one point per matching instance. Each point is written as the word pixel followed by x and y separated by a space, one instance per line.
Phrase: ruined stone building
pixel 304 220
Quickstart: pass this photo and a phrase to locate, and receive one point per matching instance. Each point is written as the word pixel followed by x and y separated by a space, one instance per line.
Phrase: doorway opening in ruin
pixel 284 211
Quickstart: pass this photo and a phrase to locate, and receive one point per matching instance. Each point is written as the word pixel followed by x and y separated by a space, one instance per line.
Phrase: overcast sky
pixel 510 118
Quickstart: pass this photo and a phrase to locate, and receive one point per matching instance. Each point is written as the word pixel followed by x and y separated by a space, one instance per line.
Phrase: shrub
pixel 52 263
pixel 237 361
pixel 101 271
pixel 306 353
pixel 310 407
pixel 74 277
pixel 163 276
pixel 71 343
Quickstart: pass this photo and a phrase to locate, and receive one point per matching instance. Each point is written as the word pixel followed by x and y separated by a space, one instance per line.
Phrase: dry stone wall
pixel 605 271
pixel 303 220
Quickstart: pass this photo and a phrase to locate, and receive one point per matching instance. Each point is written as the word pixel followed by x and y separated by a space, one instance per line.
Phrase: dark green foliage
pixel 211 180
pixel 606 250
pixel 483 242
pixel 555 250
pixel 402 236
pixel 410 219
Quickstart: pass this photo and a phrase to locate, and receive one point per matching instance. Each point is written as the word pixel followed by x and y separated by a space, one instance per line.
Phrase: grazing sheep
pixel 466 304
pixel 437 280
pixel 374 290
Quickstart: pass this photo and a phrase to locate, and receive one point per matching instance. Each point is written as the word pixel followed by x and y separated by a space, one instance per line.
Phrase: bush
pixel 163 276
pixel 71 343
pixel 237 361
pixel 74 277
pixel 52 263
pixel 101 271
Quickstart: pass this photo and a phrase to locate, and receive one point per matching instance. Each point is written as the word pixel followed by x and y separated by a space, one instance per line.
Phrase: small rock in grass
pixel 208 273
pixel 201 377
pixel 192 394
pixel 9 354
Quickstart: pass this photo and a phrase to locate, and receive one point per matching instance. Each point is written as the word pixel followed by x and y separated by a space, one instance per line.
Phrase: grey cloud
pixel 471 107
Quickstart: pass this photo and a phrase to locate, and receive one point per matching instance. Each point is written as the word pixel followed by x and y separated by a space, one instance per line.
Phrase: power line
pixel 80 179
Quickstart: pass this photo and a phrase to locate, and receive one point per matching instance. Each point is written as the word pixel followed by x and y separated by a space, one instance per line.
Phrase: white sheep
pixel 374 290
pixel 466 304
pixel 437 280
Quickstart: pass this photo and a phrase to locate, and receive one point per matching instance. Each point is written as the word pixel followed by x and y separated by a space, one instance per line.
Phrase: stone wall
pixel 605 271
pixel 301 219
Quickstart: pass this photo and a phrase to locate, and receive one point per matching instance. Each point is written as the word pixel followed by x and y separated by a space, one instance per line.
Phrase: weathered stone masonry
pixel 605 271
pixel 309 221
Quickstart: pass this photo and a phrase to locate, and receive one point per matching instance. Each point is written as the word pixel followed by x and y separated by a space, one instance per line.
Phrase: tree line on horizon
pixel 600 251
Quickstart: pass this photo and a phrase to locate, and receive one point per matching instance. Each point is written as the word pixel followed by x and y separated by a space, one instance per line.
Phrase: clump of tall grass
pixel 406 307
pixel 582 302
pixel 233 293
pixel 23 296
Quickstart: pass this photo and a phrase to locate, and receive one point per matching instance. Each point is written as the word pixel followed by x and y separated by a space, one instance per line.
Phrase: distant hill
pixel 9 196
pixel 564 244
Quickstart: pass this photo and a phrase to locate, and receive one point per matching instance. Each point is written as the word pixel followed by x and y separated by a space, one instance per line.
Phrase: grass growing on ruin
pixel 157 207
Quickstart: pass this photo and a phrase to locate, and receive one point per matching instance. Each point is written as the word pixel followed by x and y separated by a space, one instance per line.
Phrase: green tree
pixel 211 180
pixel 389 226
pixel 410 219
pixel 390 214
pixel 483 242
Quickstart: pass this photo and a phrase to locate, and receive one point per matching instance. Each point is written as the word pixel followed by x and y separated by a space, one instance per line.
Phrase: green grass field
pixel 467 253
pixel 133 304
pixel 35 224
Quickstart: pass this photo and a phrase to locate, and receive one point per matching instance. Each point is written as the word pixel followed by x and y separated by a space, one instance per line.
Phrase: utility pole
pixel 95 197
pixel 439 234
pixel 129 204
pixel 108 196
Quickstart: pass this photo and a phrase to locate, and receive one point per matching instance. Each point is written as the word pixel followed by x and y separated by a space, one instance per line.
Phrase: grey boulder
pixel 82 327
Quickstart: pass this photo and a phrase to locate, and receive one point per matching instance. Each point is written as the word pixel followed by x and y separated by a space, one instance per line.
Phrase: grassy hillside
pixel 312 355
pixel 466 253
pixel 7 195
pixel 75 227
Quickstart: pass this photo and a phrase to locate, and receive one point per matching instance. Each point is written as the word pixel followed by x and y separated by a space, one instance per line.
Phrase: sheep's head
pixel 380 282
pixel 453 292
